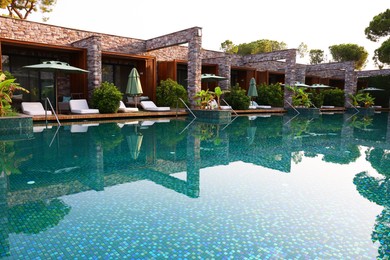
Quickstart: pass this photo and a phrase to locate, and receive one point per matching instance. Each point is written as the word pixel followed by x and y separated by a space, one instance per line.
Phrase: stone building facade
pixel 167 48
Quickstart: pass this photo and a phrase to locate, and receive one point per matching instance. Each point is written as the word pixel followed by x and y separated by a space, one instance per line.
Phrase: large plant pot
pixel 213 116
pixel 16 128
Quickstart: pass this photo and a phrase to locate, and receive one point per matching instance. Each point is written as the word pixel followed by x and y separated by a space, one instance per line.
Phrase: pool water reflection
pixel 260 187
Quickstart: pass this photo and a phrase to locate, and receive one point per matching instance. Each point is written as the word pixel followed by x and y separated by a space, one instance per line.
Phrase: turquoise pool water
pixel 258 188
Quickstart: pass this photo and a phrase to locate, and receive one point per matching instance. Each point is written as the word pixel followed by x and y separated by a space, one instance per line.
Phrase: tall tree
pixel 23 8
pixel 349 52
pixel 316 56
pixel 302 50
pixel 228 47
pixel 378 28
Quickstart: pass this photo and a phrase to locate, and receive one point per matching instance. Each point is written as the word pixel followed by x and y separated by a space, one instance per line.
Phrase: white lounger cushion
pixel 80 106
pixel 254 105
pixel 123 108
pixel 34 109
pixel 150 106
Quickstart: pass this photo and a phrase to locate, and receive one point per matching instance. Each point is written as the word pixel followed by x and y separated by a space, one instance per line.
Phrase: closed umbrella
pixel 134 87
pixel 252 91
pixel 55 67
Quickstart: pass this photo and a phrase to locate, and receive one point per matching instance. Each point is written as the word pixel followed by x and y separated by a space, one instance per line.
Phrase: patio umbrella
pixel 55 67
pixel 134 87
pixel 134 142
pixel 317 86
pixel 211 78
pixel 372 89
pixel 298 84
pixel 252 91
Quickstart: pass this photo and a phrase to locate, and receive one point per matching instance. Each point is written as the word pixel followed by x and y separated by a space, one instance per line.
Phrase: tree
pixel 349 52
pixel 23 8
pixel 228 47
pixel 316 56
pixel 302 50
pixel 380 27
pixel 260 46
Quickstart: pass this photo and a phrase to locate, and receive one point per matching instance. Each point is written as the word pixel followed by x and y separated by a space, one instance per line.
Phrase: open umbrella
pixel 298 84
pixel 317 86
pixel 211 78
pixel 134 87
pixel 55 67
pixel 252 91
pixel 372 89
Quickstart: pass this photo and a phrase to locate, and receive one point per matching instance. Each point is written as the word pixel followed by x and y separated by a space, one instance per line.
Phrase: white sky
pixel 319 24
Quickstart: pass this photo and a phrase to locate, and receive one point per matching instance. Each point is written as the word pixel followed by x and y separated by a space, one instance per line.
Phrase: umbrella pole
pixel 56 90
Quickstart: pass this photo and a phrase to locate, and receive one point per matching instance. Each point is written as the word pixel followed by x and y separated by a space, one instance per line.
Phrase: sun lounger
pixel 34 109
pixel 150 106
pixel 327 107
pixel 80 106
pixel 254 105
pixel 124 109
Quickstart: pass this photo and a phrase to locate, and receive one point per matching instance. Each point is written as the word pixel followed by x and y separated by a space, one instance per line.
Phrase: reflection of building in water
pixel 93 160
pixel 4 242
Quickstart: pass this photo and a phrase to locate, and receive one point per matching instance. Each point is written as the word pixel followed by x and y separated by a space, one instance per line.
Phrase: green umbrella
pixel 55 67
pixel 252 91
pixel 134 87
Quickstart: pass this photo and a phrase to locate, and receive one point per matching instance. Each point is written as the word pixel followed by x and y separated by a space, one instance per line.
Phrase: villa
pixel 178 56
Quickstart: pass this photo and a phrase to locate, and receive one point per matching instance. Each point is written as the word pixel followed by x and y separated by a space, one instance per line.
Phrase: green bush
pixel 237 98
pixel 316 97
pixel 106 98
pixel 271 95
pixel 168 92
pixel 334 97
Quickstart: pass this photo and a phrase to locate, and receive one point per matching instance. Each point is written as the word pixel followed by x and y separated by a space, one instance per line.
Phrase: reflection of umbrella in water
pixel 134 87
pixel 134 141
pixel 252 91
pixel 251 132
pixel 55 67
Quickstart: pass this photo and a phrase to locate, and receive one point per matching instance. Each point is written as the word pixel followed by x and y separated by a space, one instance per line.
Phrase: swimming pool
pixel 272 187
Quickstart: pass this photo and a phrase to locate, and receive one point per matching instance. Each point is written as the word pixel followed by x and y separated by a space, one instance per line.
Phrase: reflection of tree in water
pixel 377 190
pixel 9 160
pixel 35 217
pixel 109 135
pixel 351 155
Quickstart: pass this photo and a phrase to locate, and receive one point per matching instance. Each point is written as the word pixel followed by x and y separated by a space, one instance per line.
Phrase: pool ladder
pixel 47 101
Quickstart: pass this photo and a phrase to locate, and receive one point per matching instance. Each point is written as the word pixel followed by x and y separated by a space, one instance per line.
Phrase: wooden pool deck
pixel 142 114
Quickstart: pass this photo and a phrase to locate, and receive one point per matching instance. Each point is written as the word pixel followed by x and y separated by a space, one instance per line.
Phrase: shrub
pixel 316 97
pixel 106 98
pixel 7 88
pixel 334 97
pixel 270 95
pixel 237 98
pixel 168 93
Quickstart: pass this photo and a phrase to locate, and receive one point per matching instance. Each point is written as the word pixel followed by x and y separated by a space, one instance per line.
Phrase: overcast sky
pixel 319 24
